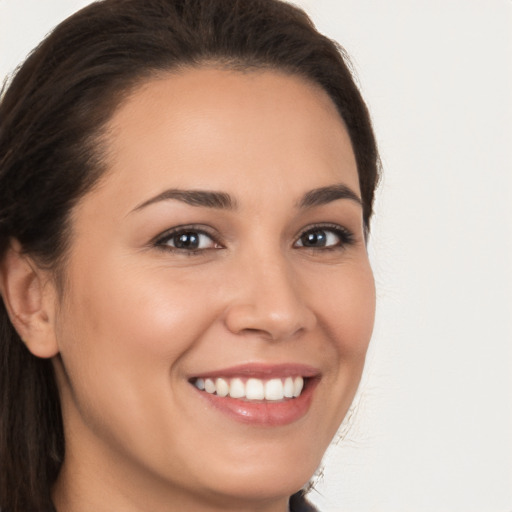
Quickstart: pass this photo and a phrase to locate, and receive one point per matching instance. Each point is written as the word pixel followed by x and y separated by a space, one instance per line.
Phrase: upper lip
pixel 262 371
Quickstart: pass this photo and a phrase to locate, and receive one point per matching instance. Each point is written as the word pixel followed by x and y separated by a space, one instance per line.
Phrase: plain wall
pixel 432 426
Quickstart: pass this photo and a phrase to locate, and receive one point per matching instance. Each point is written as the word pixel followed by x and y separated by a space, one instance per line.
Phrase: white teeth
pixel 209 386
pixel 236 388
pixel 298 384
pixel 253 389
pixel 288 387
pixel 274 389
pixel 222 387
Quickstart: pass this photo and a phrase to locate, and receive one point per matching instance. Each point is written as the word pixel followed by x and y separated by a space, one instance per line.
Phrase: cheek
pixel 347 316
pixel 344 301
pixel 124 325
pixel 141 317
pixel 123 337
pixel 348 311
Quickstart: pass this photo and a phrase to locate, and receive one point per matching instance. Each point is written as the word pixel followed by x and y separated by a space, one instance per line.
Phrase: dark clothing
pixel 299 503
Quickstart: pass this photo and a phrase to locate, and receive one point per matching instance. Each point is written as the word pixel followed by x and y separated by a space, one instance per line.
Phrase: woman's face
pixel 223 249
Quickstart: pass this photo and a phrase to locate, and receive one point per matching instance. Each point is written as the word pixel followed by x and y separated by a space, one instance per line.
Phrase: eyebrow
pixel 223 201
pixel 325 195
pixel 203 198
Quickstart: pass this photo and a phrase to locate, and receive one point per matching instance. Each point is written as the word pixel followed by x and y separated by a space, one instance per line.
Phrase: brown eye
pixel 188 240
pixel 314 239
pixel 324 237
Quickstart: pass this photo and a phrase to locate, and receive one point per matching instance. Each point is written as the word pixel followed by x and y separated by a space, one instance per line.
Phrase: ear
pixel 30 298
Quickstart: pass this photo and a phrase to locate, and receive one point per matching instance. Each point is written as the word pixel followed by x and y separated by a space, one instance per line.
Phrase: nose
pixel 269 301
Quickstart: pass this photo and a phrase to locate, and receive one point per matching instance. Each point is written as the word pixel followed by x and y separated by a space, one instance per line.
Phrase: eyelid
pixel 346 236
pixel 159 241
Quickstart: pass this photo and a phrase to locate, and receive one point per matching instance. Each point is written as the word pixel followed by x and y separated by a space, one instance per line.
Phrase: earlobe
pixel 29 298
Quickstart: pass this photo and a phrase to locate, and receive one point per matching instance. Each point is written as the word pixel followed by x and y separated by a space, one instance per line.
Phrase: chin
pixel 265 484
pixel 265 472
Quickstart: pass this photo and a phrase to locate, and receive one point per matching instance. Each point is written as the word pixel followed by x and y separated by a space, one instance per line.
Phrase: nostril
pixel 272 309
pixel 271 333
pixel 259 332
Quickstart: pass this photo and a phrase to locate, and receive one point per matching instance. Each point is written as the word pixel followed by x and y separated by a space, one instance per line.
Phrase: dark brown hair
pixel 52 116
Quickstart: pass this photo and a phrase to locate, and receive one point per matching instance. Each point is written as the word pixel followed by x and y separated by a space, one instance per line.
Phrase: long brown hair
pixel 51 119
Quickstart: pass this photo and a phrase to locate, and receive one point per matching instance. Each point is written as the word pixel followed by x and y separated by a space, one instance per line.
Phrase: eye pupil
pixel 314 239
pixel 189 240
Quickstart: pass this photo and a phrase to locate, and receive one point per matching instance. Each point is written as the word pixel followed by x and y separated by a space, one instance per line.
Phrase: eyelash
pixel 345 237
pixel 162 241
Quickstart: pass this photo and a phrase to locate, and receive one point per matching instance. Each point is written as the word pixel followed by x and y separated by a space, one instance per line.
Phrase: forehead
pixel 212 128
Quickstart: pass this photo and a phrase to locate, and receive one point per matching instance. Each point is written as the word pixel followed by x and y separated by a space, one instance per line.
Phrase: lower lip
pixel 265 412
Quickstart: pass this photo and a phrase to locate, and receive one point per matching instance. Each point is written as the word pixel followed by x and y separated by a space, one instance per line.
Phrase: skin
pixel 137 319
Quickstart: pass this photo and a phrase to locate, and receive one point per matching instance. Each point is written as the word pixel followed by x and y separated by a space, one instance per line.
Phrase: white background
pixel 432 431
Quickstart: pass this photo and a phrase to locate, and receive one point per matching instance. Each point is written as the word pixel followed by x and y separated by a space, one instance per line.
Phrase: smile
pixel 253 389
pixel 260 395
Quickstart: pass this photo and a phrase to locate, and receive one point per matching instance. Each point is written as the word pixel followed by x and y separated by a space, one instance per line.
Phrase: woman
pixel 186 191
